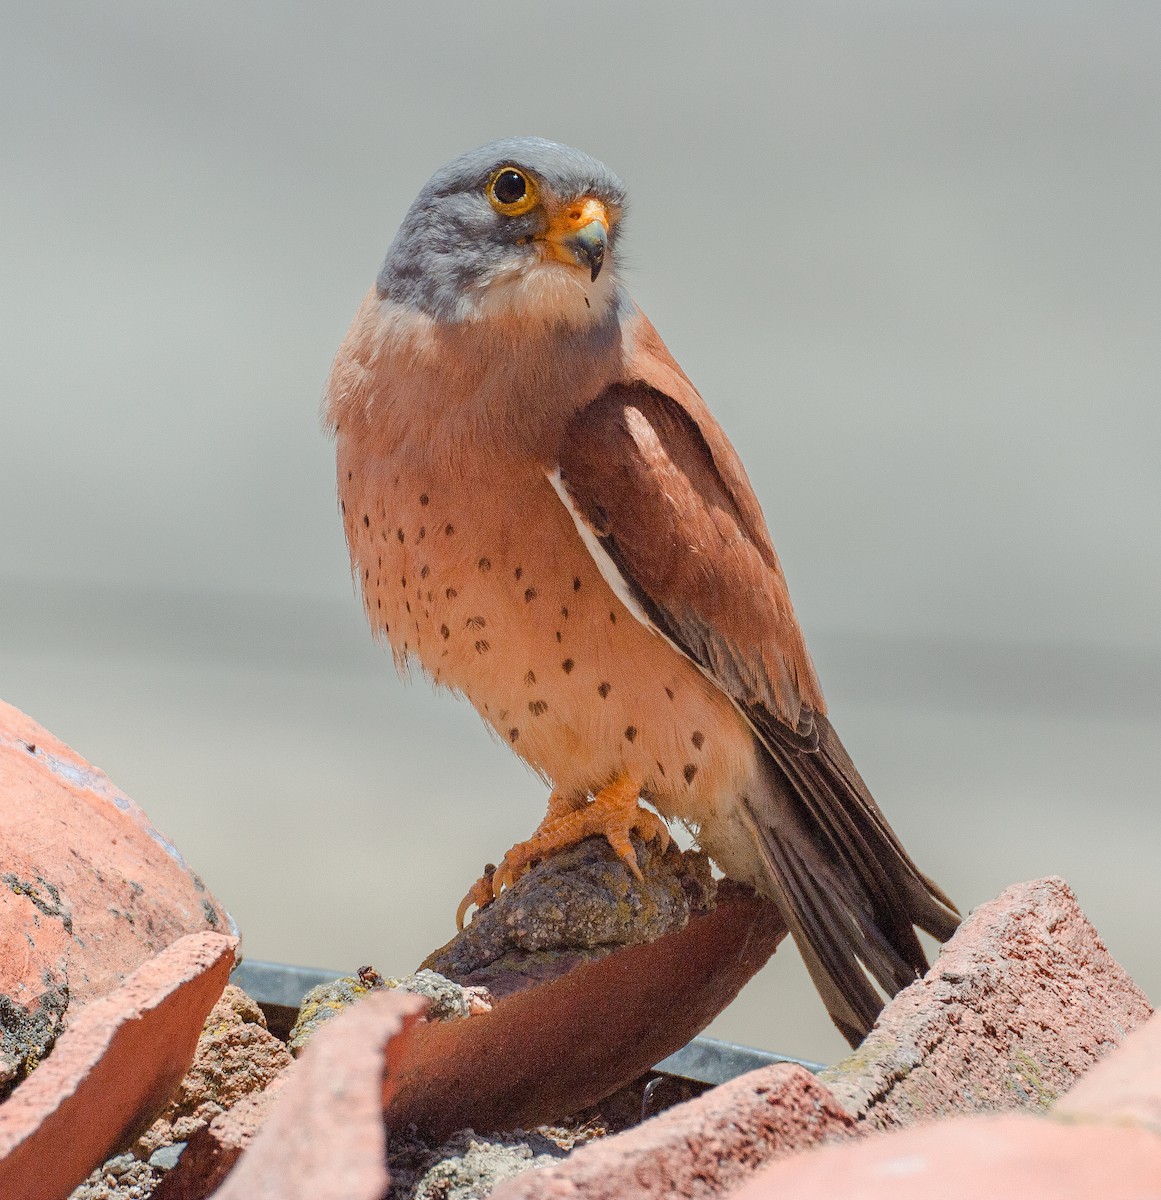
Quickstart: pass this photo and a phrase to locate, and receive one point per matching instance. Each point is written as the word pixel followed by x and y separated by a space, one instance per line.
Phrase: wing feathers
pixel 639 473
pixel 664 505
pixel 864 893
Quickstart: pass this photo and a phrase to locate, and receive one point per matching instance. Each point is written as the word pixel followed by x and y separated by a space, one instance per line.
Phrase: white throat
pixel 548 293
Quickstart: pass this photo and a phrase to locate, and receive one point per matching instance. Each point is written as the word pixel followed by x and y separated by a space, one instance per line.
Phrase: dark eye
pixel 511 191
pixel 510 187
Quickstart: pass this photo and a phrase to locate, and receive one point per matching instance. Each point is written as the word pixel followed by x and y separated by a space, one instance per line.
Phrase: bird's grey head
pixel 522 228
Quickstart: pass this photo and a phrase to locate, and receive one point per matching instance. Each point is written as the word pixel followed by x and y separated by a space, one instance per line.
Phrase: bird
pixel 543 515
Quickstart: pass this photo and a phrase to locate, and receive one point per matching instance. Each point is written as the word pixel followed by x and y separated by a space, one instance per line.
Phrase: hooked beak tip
pixel 590 244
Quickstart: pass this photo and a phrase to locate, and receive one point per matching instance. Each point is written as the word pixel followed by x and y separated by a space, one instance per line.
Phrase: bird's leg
pixel 613 813
pixel 560 804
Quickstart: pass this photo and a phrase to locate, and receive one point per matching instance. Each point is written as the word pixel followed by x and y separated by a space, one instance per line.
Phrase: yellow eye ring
pixel 512 191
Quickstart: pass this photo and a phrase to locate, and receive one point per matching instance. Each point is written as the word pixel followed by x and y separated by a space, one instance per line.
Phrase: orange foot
pixel 613 812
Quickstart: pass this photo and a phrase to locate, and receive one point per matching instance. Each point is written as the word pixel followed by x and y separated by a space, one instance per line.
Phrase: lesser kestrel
pixel 543 513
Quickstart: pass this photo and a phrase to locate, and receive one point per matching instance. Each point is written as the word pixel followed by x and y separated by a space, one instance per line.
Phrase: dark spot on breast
pixel 475 622
pixel 424 572
pixel 422 533
pixel 444 632
pixel 536 707
pixel 689 771
pixel 366 521
pixel 482 647
pixel 604 689
pixel 513 734
pixel 424 500
pixel 350 476
pixel 399 533
pixel 404 581
pixel 698 739
pixel 613 617
pixel 450 593
pixel 576 583
pixel 661 768
pixel 383 534
pixel 669 692
pixel 567 665
pixel 558 636
pixel 529 595
pixel 564 612
pixel 519 572
pixel 408 604
pixel 530 678
pixel 449 529
pixel 343 507
pixel 631 733
pixel 485 564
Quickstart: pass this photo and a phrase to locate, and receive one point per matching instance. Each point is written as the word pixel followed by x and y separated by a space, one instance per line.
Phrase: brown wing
pixel 693 551
pixel 649 472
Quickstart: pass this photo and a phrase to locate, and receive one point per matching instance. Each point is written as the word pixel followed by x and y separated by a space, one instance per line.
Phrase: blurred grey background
pixel 910 254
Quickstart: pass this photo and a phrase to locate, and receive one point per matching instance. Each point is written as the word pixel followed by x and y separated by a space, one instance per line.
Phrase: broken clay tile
pixel 1015 1156
pixel 212 1151
pixel 111 1071
pixel 89 890
pixel 703 1148
pixel 324 1137
pixel 562 1043
pixel 1125 1088
pixel 1021 1002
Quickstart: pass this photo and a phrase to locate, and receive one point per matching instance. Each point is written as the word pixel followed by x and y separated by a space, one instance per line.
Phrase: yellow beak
pixel 579 234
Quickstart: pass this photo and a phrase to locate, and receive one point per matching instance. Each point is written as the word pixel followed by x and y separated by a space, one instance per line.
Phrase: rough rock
pixel 575 907
pixel 1125 1087
pixel 212 1150
pixel 703 1148
pixel 324 1137
pixel 467 1166
pixel 89 890
pixel 1021 1002
pixel 447 1001
pixel 121 1178
pixel 235 1057
pixel 1015 1156
pixel 111 1071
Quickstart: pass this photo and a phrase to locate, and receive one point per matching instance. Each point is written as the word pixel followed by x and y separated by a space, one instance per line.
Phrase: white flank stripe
pixel 616 581
pixel 605 564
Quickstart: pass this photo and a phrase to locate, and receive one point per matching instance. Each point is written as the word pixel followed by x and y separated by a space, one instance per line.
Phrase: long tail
pixel 848 890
